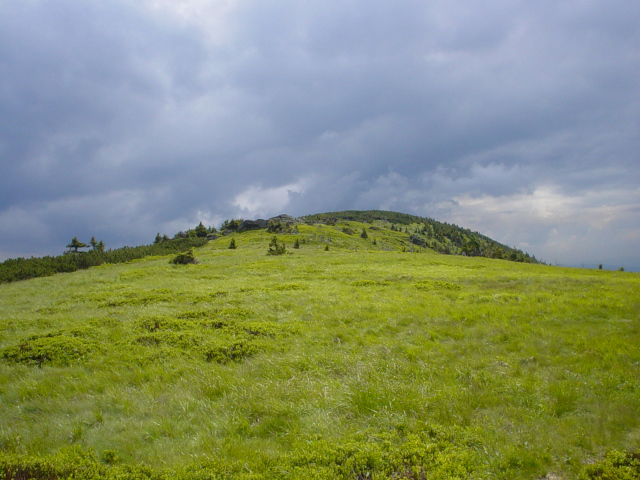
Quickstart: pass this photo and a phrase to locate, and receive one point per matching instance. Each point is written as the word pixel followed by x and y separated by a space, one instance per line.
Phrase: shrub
pixel 184 258
pixel 276 248
pixel 228 350
pixel 232 244
pixel 55 349
pixel 615 466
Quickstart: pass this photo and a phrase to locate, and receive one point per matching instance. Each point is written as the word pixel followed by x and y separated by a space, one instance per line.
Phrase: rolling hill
pixel 352 351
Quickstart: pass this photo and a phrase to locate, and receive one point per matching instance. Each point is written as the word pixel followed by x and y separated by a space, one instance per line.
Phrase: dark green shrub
pixel 184 258
pixel 276 248
pixel 201 231
pixel 232 244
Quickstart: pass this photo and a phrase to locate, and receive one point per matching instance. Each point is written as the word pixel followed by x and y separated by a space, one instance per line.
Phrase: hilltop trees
pixel 201 231
pixel 76 244
pixel 231 225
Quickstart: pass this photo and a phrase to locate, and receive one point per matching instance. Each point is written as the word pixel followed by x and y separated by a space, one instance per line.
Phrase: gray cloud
pixel 124 118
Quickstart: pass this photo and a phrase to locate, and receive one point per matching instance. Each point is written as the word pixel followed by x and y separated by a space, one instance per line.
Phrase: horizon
pixel 598 266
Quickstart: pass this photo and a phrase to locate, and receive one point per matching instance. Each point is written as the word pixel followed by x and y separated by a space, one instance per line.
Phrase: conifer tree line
pixel 80 255
pixel 75 258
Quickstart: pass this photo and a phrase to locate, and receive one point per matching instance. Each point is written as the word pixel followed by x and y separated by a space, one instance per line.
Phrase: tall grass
pixel 352 361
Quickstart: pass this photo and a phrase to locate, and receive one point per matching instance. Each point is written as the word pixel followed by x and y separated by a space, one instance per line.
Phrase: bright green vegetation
pixel 358 362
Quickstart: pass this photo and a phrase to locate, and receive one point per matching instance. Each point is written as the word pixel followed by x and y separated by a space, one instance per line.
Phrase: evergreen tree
pixel 76 244
pixel 232 244
pixel 158 239
pixel 232 225
pixel 276 248
pixel 296 244
pixel 201 231
pixel 364 233
pixel 93 243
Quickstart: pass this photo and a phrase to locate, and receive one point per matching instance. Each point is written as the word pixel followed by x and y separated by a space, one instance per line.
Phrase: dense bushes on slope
pixel 24 268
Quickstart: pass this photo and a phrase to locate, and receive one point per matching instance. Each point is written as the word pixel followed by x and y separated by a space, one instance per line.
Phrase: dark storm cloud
pixel 123 118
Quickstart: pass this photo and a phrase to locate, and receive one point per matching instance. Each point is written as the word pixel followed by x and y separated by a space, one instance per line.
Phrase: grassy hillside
pixel 360 361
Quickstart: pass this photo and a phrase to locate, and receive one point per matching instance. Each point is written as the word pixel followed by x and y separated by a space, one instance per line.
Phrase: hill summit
pixel 412 233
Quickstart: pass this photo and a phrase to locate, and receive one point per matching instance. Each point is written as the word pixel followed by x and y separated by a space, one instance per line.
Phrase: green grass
pixel 361 360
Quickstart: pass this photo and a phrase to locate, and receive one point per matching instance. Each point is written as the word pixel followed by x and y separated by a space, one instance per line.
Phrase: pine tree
pixel 364 233
pixel 296 244
pixel 232 244
pixel 201 230
pixel 76 244
pixel 276 248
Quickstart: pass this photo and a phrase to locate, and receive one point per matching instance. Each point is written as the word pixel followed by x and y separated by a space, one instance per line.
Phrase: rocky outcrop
pixel 282 220
pixel 253 225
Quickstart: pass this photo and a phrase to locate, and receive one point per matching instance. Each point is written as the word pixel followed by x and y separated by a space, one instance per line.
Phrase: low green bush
pixel 615 466
pixel 57 350
pixel 184 258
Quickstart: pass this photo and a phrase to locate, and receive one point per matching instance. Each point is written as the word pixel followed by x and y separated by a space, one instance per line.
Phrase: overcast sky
pixel 518 119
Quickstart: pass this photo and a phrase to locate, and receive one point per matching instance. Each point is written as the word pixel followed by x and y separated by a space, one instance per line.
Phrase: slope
pixel 352 362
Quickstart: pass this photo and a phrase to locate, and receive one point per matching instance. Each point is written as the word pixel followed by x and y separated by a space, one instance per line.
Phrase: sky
pixel 120 119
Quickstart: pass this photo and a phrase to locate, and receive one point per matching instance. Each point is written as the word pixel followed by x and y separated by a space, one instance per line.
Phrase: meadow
pixel 357 361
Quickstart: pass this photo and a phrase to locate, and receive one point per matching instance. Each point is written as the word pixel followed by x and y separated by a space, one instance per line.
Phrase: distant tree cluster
pixel 231 225
pixel 199 232
pixel 76 245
